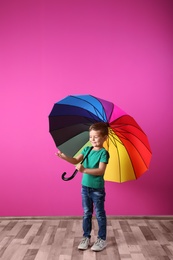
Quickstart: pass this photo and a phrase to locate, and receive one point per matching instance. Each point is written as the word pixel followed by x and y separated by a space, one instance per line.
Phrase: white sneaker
pixel 99 245
pixel 84 244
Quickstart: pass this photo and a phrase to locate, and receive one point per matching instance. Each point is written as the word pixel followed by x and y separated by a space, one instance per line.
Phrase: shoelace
pixel 99 241
pixel 83 240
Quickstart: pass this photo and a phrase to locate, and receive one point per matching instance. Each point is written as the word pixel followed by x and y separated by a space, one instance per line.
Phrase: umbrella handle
pixel 69 178
pixel 75 172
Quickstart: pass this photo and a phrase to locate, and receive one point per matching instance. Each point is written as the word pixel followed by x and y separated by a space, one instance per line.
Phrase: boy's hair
pixel 100 126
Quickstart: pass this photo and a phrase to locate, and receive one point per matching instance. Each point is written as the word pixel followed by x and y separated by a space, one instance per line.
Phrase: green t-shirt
pixel 92 161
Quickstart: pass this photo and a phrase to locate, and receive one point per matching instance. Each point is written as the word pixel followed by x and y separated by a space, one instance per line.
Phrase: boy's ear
pixel 105 137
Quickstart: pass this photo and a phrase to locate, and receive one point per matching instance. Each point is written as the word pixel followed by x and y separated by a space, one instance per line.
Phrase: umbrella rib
pixel 96 110
pixel 135 136
pixel 91 120
pixel 139 128
pixel 128 124
pixel 135 147
pixel 114 141
pixel 138 151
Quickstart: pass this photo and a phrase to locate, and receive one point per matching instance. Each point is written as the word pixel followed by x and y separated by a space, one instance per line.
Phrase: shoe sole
pixel 84 248
pixel 98 250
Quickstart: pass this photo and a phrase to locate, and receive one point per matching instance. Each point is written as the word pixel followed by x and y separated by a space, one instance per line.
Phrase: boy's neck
pixel 97 148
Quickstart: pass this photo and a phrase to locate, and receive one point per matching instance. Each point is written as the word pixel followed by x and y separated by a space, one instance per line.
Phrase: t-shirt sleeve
pixel 85 150
pixel 105 157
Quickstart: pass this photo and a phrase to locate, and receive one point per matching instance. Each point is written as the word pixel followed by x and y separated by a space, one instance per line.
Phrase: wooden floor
pixel 55 238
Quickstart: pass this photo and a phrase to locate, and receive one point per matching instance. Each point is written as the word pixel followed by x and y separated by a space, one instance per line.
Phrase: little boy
pixel 93 190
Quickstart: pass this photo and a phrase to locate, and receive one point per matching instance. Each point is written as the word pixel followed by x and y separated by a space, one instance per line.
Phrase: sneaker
pixel 99 245
pixel 84 244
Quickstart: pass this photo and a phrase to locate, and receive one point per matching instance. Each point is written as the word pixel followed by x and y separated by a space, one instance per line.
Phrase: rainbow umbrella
pixel 128 145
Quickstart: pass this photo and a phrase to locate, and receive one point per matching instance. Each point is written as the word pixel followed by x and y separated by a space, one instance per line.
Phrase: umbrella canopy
pixel 128 145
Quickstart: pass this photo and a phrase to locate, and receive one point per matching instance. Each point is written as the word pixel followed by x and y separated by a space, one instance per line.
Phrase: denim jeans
pixel 94 199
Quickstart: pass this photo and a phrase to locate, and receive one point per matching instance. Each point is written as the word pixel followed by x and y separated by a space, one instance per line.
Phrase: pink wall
pixel 119 50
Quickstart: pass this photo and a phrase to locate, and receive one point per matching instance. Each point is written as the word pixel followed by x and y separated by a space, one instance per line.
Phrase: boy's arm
pixel 72 160
pixel 97 172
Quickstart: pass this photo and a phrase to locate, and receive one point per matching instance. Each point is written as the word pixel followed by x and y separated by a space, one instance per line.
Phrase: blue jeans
pixel 94 198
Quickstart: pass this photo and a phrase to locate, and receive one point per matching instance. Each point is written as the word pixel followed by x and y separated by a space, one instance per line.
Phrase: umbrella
pixel 128 145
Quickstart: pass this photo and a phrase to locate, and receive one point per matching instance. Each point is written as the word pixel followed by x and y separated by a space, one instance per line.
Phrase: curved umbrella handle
pixel 75 172
pixel 69 178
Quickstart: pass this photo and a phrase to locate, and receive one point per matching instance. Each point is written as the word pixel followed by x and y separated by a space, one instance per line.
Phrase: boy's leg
pixel 88 211
pixel 98 197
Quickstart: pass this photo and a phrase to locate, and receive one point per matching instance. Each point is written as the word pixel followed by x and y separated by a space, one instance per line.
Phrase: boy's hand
pixel 60 154
pixel 80 167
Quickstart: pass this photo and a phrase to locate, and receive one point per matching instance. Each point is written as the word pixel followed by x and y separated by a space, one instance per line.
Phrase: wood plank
pixel 58 239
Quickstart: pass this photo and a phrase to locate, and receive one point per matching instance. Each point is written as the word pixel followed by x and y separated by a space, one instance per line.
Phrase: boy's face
pixel 97 139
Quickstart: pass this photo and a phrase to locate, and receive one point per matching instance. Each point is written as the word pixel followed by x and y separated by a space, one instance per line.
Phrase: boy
pixel 93 191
